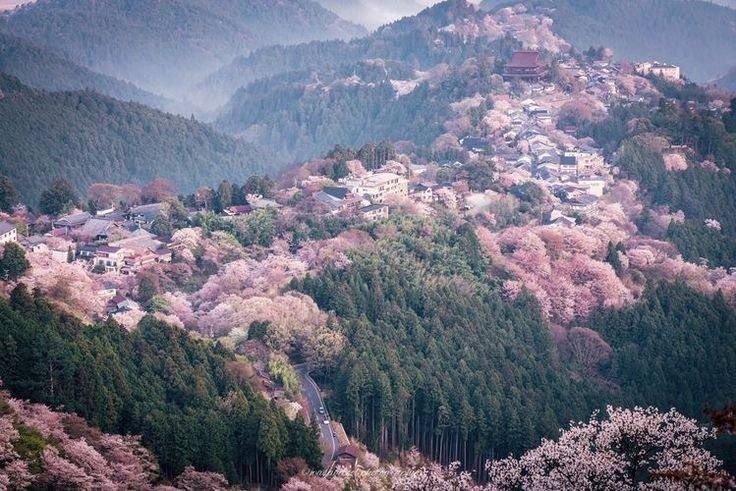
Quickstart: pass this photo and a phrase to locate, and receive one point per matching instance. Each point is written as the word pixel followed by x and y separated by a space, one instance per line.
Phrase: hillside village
pixel 512 163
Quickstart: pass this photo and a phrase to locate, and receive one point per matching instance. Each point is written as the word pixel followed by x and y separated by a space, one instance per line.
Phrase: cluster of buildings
pixel 365 195
pixel 663 70
pixel 109 241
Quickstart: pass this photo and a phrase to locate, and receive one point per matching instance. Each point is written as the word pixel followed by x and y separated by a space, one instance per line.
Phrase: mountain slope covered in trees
pixel 47 70
pixel 85 138
pixel 163 46
pixel 699 36
pixel 415 40
pixel 186 398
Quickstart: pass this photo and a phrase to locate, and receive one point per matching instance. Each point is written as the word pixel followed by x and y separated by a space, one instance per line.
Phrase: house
pixel 568 164
pixel 88 251
pixel 421 193
pixel 164 255
pixel 347 456
pixel 664 70
pixel 8 233
pixel 593 186
pixel 374 213
pixel 72 222
pixel 98 228
pixel 140 241
pixel 35 243
pixel 582 202
pixel 525 65
pixel 146 214
pixel 258 202
pixel 333 198
pixel 564 222
pixel 110 258
pixel 237 211
pixel 474 144
pixel 377 186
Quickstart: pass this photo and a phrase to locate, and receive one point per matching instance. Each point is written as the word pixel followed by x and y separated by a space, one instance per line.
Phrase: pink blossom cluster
pixel 630 449
pixel 88 460
pixel 563 268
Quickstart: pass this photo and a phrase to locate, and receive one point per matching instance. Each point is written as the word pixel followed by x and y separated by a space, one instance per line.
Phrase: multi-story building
pixel 664 70
pixel 8 233
pixel 111 258
pixel 376 187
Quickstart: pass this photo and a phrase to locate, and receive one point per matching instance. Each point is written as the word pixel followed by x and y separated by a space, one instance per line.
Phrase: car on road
pixel 327 421
pixel 321 410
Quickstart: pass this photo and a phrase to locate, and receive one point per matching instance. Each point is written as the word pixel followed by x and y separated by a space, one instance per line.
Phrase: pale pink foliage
pixel 675 162
pixel 562 268
pixel 192 480
pixel 612 454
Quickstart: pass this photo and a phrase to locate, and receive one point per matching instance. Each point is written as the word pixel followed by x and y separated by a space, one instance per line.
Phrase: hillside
pixel 420 42
pixel 85 138
pixel 163 46
pixel 728 81
pixel 185 397
pixel 43 69
pixel 698 36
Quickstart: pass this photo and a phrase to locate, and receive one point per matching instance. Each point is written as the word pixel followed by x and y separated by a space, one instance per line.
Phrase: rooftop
pixel 6 227
pixel 525 59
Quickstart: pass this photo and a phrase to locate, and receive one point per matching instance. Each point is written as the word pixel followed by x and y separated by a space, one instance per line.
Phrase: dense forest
pixel 437 358
pixel 703 191
pixel 415 41
pixel 165 46
pixel 351 106
pixel 86 138
pixel 43 69
pixel 696 35
pixel 674 349
pixel 188 399
pixel 440 360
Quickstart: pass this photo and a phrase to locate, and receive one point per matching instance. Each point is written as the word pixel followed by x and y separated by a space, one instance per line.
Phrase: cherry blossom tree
pixel 630 449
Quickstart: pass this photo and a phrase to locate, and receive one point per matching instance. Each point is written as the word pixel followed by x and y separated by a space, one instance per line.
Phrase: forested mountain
pixel 703 191
pixel 437 358
pixel 699 36
pixel 85 137
pixel 185 397
pixel 728 81
pixel 47 70
pixel 375 13
pixel 164 46
pixel 304 115
pixel 416 41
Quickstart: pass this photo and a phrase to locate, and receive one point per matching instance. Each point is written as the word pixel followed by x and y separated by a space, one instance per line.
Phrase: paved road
pixel 312 394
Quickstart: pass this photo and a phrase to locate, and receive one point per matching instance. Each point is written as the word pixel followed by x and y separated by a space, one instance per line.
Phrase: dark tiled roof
pixel 335 192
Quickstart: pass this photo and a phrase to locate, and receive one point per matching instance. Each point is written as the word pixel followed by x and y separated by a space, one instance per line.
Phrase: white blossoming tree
pixel 631 449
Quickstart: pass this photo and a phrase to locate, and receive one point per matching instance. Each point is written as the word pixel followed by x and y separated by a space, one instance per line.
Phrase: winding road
pixel 312 394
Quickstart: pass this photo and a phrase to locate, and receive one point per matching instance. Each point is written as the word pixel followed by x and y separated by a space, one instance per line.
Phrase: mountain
pixel 164 46
pixel 699 36
pixel 728 81
pixel 86 137
pixel 419 41
pixel 375 13
pixel 43 69
pixel 410 73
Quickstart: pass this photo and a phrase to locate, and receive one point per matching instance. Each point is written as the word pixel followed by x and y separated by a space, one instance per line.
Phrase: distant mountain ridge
pixel 411 39
pixel 163 46
pixel 43 69
pixel 86 137
pixel 697 35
